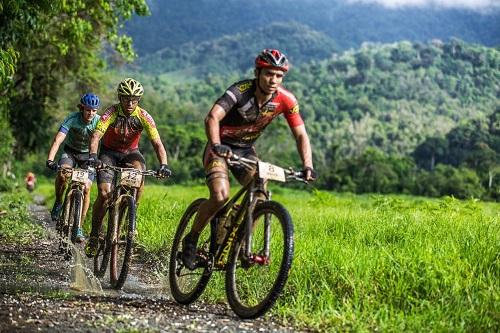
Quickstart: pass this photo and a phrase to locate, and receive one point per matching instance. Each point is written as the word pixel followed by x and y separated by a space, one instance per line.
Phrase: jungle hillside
pixel 400 113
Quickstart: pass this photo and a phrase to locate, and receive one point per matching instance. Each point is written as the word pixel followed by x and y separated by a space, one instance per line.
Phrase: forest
pixel 404 117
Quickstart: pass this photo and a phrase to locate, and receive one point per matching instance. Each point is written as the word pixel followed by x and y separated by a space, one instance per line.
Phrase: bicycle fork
pixel 261 258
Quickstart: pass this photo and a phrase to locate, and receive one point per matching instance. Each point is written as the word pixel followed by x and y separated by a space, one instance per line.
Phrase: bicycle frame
pixel 245 215
pixel 75 184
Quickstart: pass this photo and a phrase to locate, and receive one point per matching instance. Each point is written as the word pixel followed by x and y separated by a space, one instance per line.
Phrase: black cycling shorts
pixel 212 160
pixel 116 158
pixel 75 158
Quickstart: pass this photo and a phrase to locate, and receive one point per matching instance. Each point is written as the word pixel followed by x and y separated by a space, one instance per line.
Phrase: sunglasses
pixel 127 99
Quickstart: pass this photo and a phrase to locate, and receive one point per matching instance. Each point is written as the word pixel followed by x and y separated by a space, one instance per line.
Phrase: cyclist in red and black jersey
pixel 120 128
pixel 234 123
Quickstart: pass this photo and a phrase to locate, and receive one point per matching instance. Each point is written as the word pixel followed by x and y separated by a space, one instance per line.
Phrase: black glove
pixel 93 161
pixel 51 165
pixel 309 174
pixel 222 150
pixel 164 171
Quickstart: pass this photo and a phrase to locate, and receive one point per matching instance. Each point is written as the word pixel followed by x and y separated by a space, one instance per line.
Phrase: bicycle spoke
pixel 253 283
pixel 187 285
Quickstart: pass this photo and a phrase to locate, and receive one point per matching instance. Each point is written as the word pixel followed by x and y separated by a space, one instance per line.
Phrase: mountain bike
pixel 251 240
pixel 117 238
pixel 70 218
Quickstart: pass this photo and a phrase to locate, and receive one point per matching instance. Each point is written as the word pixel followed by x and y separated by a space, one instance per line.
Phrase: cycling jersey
pixel 121 132
pixel 78 132
pixel 244 122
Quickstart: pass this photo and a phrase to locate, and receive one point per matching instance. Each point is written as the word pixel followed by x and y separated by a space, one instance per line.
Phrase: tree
pixel 57 41
pixel 430 152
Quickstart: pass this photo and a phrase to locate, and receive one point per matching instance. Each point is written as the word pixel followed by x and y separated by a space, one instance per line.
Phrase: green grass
pixel 369 263
pixel 15 224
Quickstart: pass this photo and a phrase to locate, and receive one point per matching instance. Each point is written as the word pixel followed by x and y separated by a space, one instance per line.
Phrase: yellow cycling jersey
pixel 121 132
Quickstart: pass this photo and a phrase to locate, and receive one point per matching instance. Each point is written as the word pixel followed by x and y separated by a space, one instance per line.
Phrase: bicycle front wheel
pixel 76 213
pixel 101 259
pixel 123 240
pixel 70 213
pixel 187 285
pixel 254 283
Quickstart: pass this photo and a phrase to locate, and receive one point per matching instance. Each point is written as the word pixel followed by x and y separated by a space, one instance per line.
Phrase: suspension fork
pixel 252 199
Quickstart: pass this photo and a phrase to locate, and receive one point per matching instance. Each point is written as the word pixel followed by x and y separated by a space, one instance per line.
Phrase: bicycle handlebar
pixel 70 169
pixel 152 173
pixel 247 163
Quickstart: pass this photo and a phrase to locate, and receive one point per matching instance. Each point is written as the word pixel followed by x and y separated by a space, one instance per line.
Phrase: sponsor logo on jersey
pixel 269 109
pixel 295 109
pixel 107 114
pixel 245 86
pixel 148 118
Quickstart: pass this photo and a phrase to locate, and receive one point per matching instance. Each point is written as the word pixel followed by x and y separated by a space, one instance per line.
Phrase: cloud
pixel 479 5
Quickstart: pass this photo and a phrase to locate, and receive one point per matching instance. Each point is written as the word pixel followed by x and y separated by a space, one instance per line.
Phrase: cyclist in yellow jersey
pixel 120 128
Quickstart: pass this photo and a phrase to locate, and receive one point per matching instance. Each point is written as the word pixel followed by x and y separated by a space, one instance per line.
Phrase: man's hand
pixel 222 150
pixel 93 161
pixel 309 174
pixel 164 171
pixel 51 165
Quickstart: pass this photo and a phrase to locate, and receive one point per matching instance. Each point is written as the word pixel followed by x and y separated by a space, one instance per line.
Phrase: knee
pixel 86 191
pixel 219 198
pixel 104 195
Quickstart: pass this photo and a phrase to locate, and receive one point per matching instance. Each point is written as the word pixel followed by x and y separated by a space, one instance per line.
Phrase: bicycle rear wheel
pixel 187 285
pixel 122 241
pixel 101 258
pixel 253 284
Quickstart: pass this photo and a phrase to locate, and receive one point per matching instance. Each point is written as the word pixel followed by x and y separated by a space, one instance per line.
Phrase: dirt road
pixel 39 292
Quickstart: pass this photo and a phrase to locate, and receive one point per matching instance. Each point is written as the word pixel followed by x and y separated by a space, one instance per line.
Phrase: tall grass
pixel 369 263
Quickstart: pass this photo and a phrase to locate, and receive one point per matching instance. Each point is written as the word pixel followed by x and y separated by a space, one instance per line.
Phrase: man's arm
pixel 303 145
pixel 94 142
pixel 212 120
pixel 58 139
pixel 161 153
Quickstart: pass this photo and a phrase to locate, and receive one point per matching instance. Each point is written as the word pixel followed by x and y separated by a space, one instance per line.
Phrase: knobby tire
pixel 186 285
pixel 242 291
pixel 101 259
pixel 76 213
pixel 118 273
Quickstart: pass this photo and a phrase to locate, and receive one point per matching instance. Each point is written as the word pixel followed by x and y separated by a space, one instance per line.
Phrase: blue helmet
pixel 90 100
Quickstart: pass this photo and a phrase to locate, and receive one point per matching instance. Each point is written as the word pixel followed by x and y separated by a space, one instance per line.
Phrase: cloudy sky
pixel 479 5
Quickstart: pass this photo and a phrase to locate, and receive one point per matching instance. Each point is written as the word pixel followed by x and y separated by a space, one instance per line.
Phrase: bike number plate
pixel 130 178
pixel 273 172
pixel 80 175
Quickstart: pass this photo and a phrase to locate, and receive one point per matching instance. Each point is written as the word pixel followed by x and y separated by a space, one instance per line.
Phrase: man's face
pixel 88 113
pixel 270 79
pixel 129 103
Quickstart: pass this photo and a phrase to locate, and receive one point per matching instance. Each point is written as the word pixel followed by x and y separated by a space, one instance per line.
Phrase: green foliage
pixel 57 42
pixel 15 224
pixel 237 52
pixel 369 114
pixel 8 59
pixel 348 23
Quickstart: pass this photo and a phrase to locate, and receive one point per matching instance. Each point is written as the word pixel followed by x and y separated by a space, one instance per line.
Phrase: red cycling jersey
pixel 244 121
pixel 121 132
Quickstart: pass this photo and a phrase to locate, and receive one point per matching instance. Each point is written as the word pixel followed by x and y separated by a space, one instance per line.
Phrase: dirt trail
pixel 37 294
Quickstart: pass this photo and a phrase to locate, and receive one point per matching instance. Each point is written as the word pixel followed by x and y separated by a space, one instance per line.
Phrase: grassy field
pixel 14 217
pixel 368 263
